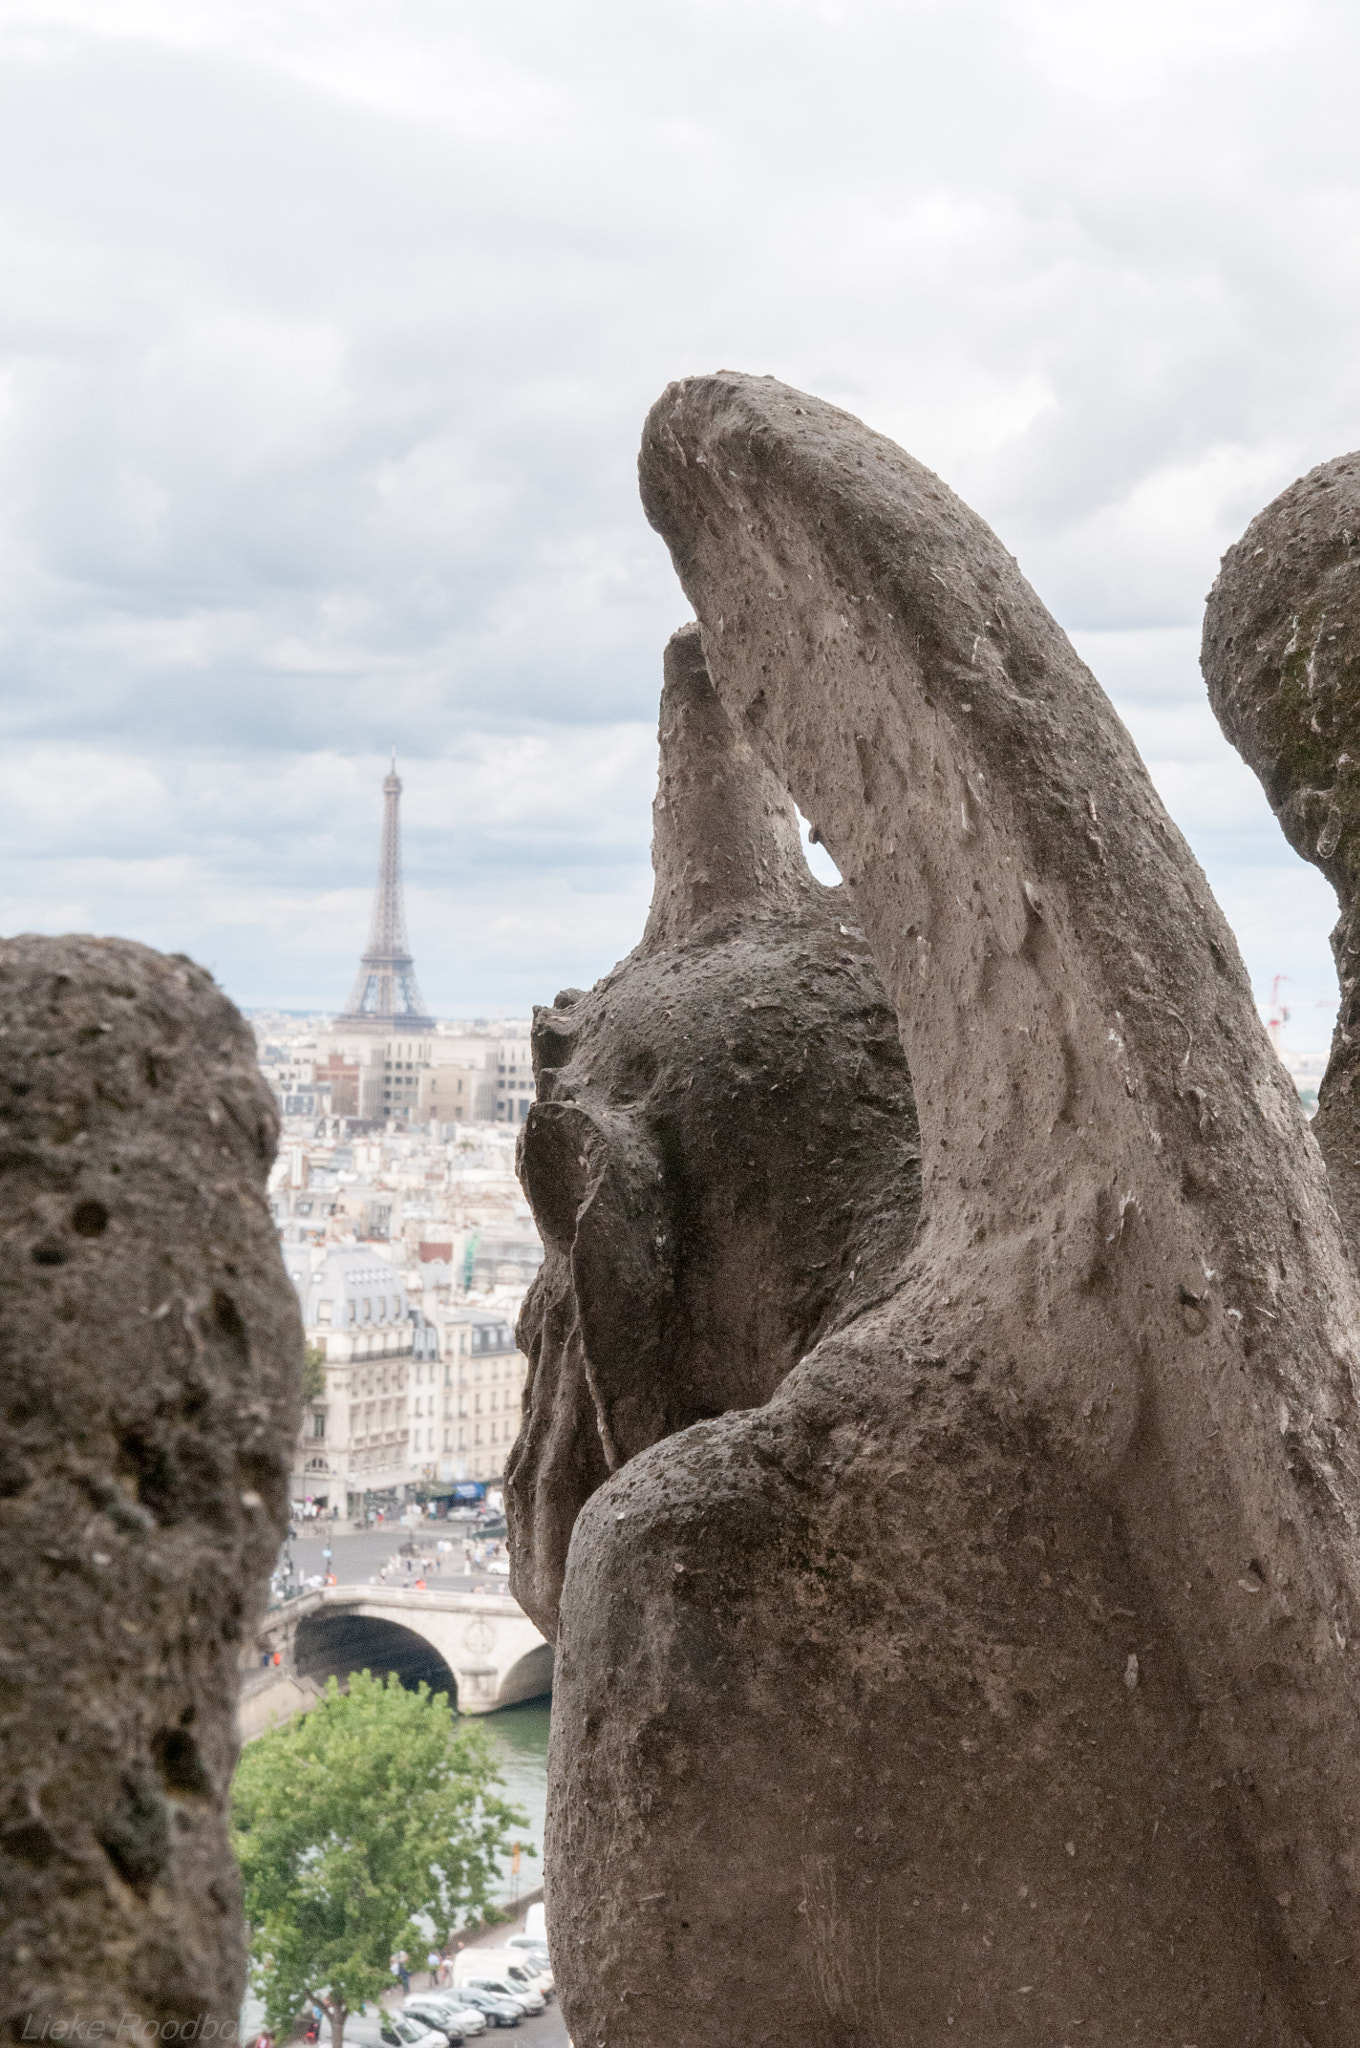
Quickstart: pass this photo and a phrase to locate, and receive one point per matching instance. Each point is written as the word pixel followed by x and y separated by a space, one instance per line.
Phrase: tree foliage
pixel 314 1373
pixel 350 1820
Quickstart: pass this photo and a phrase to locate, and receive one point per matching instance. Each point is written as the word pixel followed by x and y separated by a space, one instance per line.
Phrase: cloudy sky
pixel 328 328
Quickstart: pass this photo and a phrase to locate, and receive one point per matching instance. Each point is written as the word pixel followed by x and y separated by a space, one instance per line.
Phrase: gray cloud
pixel 328 333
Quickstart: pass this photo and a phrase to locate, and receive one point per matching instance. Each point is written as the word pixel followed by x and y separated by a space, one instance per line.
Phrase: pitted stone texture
pixel 993 1678
pixel 723 1158
pixel 1281 657
pixel 151 1357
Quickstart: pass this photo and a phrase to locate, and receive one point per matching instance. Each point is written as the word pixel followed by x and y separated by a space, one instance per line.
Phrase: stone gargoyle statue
pixel 939 1474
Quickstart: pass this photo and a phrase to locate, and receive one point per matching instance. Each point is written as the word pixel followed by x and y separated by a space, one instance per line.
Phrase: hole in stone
pixel 30 1842
pixel 137 1838
pixel 229 1323
pixel 48 1254
pixel 180 1765
pixel 258 1475
pixel 148 1466
pixel 89 1219
pixel 820 863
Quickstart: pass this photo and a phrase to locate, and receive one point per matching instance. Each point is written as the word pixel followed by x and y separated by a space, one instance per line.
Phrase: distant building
pixel 484 1376
pixel 338 1075
pixel 376 1350
pixel 498 1259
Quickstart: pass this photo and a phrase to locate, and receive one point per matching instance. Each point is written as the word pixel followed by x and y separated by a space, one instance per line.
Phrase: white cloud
pixel 525 860
pixel 328 331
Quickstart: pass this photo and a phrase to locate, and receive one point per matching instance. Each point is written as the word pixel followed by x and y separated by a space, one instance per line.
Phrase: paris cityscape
pixel 680 1024
pixel 404 1228
pixel 410 1246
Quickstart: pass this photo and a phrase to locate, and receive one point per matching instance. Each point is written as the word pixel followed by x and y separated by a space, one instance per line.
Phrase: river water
pixel 520 1738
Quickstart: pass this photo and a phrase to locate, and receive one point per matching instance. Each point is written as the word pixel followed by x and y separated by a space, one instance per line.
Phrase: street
pixel 358 1557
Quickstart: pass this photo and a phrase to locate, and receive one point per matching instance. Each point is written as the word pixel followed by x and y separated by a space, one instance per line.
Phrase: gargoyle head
pixel 722 1159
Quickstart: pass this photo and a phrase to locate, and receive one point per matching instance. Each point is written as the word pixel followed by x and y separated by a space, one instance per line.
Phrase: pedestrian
pixel 404 1971
pixel 432 1965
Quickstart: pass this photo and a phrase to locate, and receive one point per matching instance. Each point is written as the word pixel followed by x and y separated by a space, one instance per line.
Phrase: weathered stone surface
pixel 723 1157
pixel 994 1679
pixel 1281 658
pixel 151 1349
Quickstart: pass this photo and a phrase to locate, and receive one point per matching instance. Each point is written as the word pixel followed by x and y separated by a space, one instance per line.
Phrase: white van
pixel 536 1921
pixel 533 1953
pixel 501 1972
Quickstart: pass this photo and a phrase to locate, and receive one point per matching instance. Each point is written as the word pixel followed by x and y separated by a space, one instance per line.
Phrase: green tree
pixel 347 1822
pixel 314 1373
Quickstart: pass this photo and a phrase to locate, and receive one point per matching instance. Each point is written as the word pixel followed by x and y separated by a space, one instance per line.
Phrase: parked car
pixel 500 2012
pixel 505 1983
pixel 442 2034
pixel 399 2032
pixel 443 2011
pixel 426 2004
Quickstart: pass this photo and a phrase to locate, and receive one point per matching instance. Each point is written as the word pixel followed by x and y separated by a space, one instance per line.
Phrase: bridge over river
pixel 480 1648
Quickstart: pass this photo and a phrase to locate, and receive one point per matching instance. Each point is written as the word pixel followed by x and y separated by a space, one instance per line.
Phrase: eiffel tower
pixel 385 996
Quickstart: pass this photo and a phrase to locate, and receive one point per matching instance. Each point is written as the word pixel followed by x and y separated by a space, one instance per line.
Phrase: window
pixel 318 1423
pixel 323 1311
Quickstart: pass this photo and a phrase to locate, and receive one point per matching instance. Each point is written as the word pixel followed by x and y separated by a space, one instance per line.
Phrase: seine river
pixel 520 1736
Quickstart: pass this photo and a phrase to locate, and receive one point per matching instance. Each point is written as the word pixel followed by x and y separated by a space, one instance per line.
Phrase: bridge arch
pixel 481 1649
pixel 332 1643
pixel 530 1678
